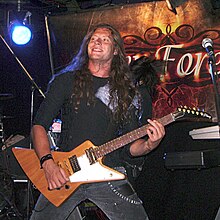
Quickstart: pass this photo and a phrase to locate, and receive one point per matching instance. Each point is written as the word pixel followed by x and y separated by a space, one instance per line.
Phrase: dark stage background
pixel 179 194
pixel 35 59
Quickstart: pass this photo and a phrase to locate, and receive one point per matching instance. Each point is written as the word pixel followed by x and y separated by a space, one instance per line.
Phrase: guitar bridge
pixel 91 155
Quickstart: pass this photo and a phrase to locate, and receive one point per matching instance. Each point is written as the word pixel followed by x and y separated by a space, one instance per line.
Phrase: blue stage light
pixel 20 34
pixel 19 27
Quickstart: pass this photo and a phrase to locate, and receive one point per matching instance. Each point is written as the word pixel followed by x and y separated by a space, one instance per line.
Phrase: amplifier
pixel 192 159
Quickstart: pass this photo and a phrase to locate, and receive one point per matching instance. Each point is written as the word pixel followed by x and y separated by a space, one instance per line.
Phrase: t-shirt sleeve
pixel 59 89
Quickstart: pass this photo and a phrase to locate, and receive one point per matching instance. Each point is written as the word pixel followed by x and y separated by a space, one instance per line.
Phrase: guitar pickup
pixel 74 163
pixel 91 155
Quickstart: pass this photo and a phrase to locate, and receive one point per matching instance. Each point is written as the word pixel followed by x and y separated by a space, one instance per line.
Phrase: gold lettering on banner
pixel 181 72
pixel 187 64
pixel 181 51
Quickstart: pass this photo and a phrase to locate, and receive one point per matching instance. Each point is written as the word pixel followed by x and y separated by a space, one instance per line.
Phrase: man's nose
pixel 98 41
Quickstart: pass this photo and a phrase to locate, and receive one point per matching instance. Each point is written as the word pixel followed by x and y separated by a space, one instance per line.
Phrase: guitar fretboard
pixel 121 141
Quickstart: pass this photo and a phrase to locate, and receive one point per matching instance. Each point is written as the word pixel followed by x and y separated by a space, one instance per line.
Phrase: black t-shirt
pixel 91 122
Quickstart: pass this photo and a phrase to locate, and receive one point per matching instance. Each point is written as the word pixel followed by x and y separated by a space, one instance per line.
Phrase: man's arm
pixel 40 141
pixel 56 177
pixel 155 132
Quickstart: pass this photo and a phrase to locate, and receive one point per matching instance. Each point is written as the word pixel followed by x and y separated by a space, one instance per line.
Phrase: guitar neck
pixel 121 141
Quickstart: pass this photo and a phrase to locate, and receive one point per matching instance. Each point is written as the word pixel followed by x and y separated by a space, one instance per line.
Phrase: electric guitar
pixel 84 163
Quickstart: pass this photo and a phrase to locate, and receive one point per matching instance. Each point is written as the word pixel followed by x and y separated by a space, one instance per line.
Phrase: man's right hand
pixel 56 176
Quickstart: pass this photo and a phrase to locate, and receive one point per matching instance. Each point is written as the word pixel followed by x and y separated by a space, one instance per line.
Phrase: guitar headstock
pixel 191 114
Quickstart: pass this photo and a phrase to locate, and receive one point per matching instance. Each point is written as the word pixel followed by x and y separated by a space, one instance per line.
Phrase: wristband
pixel 44 158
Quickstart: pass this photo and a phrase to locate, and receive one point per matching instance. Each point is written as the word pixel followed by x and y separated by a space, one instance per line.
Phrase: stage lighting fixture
pixel 20 34
pixel 20 30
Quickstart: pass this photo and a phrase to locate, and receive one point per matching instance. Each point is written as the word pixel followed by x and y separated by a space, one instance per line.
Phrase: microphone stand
pixel 215 81
pixel 34 86
pixel 28 75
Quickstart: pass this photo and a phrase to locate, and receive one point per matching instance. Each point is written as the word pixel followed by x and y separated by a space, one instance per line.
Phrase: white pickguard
pixel 94 172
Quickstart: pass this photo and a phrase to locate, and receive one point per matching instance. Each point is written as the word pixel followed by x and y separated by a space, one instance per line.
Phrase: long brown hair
pixel 120 79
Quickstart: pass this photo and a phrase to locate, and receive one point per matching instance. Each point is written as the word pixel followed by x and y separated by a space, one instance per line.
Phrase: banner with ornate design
pixel 151 29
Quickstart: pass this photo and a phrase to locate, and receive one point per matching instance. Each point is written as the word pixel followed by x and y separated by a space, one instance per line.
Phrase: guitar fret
pixel 166 119
pixel 121 141
pixel 125 139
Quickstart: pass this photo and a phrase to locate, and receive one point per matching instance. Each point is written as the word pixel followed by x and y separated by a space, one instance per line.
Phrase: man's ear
pixel 115 52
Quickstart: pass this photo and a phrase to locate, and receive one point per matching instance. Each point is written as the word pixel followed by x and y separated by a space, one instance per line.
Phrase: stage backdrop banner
pixel 151 29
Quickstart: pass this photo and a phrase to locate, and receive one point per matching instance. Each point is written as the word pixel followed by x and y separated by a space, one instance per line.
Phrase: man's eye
pixel 92 38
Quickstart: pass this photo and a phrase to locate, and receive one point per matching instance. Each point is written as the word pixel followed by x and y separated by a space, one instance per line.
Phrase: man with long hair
pixel 98 102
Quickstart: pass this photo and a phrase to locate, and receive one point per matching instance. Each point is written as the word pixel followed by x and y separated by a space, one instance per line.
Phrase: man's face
pixel 101 45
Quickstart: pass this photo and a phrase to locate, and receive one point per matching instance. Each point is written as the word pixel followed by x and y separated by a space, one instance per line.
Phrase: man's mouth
pixel 97 50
